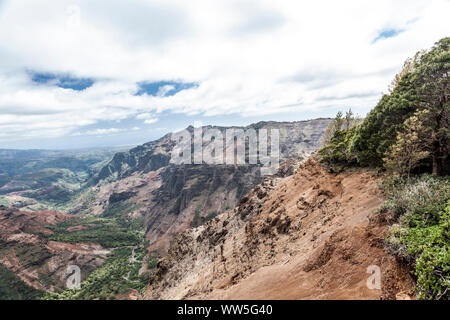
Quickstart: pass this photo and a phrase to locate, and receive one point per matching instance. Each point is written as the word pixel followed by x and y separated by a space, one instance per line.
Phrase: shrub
pixel 337 154
pixel 429 249
pixel 152 262
pixel 422 236
pixel 418 201
pixel 337 140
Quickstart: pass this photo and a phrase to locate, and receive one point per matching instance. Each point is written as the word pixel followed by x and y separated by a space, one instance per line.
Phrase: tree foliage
pixel 336 140
pixel 411 145
pixel 339 123
pixel 420 88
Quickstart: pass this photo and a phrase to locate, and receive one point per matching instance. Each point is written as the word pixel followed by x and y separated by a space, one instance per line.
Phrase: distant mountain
pixel 43 179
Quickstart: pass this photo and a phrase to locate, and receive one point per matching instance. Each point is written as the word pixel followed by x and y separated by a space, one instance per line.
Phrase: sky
pixel 81 73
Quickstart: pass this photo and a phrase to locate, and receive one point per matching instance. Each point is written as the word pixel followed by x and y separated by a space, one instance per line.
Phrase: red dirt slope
pixel 311 235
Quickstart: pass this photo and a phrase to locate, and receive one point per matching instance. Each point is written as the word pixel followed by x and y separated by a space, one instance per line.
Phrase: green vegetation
pixel 3 201
pixel 117 276
pixel 44 278
pixel 407 135
pixel 33 255
pixel 211 216
pixel 18 162
pixel 4 179
pixel 196 221
pixel 13 288
pixel 60 181
pixel 337 154
pixel 120 273
pixel 118 209
pixel 418 201
pixel 86 198
pixel 152 262
pixel 108 232
pixel 408 150
pixel 422 236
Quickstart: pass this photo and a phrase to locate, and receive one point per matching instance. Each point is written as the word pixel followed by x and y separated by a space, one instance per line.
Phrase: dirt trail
pixel 133 256
pixel 132 260
pixel 312 235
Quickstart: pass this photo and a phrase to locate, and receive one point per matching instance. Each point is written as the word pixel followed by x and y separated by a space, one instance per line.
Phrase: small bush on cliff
pixel 339 123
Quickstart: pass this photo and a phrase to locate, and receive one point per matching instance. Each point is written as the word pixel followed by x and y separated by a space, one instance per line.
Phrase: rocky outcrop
pixel 309 235
pixel 190 195
pixel 145 158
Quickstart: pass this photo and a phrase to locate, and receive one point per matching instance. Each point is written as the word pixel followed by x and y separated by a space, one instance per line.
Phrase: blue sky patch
pixel 387 33
pixel 163 88
pixel 61 80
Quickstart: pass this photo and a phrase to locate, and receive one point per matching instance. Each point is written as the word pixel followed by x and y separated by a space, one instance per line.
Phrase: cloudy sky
pixel 85 73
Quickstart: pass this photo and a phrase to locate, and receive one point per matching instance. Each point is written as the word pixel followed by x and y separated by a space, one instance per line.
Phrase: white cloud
pixel 249 57
pixel 103 131
pixel 144 116
pixel 151 121
pixel 163 90
pixel 147 117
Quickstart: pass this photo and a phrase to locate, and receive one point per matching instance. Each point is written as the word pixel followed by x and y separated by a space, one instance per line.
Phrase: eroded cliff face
pixel 40 263
pixel 309 235
pixel 143 183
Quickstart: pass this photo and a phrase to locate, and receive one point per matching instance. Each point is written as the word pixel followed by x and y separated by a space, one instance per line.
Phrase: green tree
pixel 421 85
pixel 340 122
pixel 431 79
pixel 411 145
pixel 331 129
pixel 337 138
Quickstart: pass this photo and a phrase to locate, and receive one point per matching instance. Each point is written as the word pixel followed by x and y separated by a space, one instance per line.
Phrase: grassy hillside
pixel 12 288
